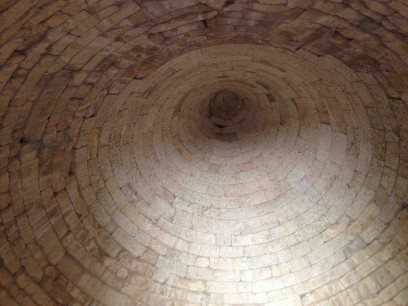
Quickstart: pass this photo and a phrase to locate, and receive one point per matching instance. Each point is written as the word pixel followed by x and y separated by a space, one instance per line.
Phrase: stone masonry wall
pixel 118 186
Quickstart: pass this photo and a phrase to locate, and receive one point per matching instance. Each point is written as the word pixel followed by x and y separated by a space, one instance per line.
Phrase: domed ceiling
pixel 203 152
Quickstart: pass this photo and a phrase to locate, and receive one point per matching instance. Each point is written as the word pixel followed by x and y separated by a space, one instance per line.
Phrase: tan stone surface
pixel 120 185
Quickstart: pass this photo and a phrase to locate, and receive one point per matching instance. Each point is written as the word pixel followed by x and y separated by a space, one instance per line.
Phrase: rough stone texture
pixel 119 187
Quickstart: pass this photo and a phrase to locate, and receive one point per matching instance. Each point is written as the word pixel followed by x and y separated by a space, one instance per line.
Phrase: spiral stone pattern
pixel 203 152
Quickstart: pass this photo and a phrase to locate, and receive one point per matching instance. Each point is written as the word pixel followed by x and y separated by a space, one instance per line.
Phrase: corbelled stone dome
pixel 203 152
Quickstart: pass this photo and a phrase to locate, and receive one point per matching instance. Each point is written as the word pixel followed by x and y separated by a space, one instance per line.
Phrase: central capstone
pixel 225 104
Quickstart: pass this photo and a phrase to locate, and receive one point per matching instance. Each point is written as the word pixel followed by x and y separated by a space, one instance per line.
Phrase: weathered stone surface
pixel 122 182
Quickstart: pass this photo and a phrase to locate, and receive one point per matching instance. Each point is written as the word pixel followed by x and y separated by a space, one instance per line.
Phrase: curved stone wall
pixel 187 152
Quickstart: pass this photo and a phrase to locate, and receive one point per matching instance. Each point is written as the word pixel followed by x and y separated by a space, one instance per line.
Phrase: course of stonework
pixel 203 152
